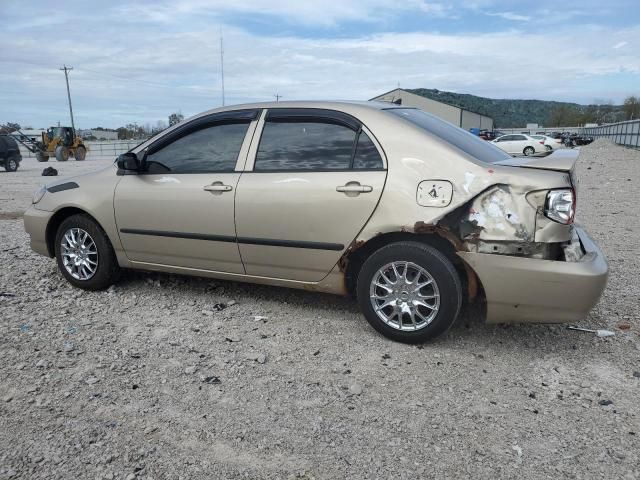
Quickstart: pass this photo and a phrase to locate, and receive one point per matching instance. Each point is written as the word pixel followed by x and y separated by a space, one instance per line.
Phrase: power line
pixel 66 71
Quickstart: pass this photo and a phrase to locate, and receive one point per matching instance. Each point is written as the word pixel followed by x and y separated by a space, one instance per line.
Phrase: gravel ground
pixel 173 377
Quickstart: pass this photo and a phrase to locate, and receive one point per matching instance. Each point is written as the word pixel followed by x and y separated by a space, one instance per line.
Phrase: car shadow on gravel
pixel 469 328
pixel 213 289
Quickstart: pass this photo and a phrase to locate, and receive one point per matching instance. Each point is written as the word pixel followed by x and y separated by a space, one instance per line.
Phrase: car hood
pixel 560 161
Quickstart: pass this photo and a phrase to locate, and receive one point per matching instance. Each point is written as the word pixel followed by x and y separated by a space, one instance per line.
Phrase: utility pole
pixel 278 97
pixel 66 71
pixel 222 65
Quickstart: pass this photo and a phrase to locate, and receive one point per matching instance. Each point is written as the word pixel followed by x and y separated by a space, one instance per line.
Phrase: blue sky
pixel 140 61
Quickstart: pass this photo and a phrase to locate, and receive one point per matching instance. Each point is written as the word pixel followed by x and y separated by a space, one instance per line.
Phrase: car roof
pixel 327 104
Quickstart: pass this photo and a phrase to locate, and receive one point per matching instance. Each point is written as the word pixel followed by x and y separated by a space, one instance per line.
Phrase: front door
pixel 180 210
pixel 316 179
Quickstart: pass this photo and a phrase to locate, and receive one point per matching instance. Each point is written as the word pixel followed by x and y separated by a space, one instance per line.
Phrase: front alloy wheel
pixel 79 254
pixel 84 253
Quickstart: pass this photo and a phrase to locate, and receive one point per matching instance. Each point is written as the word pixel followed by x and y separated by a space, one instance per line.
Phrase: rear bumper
pixel 520 290
pixel 35 224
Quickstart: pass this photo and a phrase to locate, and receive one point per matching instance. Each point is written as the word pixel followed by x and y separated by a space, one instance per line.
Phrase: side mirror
pixel 128 162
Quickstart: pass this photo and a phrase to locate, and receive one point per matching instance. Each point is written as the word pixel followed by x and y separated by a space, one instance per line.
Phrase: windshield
pixel 459 138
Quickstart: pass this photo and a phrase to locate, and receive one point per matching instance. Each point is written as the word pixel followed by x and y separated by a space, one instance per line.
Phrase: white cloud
pixel 620 45
pixel 323 13
pixel 511 16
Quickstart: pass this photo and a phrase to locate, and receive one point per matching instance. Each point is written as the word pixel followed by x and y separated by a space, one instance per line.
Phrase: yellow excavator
pixel 58 142
pixel 62 143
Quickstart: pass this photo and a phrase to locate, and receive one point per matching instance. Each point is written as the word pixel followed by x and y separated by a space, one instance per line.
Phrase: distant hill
pixel 508 113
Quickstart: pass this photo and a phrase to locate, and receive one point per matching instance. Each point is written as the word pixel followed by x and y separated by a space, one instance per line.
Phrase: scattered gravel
pixel 171 377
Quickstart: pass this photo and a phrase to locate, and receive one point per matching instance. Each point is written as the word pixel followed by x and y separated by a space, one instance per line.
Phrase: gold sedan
pixel 394 206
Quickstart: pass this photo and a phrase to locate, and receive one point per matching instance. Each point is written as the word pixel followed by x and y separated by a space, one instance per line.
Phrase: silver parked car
pixel 404 211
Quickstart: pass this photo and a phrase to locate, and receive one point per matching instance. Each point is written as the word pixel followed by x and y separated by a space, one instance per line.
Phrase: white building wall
pixel 441 110
pixel 459 117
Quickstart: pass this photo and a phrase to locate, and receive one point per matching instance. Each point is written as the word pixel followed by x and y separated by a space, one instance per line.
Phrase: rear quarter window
pixel 470 144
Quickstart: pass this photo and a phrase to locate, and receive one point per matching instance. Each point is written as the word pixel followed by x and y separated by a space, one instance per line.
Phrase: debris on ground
pixel 599 332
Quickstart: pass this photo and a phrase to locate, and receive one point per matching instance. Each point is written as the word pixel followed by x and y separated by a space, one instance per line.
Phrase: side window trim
pixel 354 148
pixel 245 149
pixel 319 115
pixel 236 116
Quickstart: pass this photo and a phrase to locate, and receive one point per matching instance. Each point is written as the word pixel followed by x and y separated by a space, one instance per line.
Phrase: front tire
pixel 62 153
pixel 84 254
pixel 409 292
pixel 528 151
pixel 41 157
pixel 80 153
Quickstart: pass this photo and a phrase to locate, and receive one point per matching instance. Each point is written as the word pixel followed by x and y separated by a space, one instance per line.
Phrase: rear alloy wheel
pixel 84 254
pixel 80 153
pixel 548 147
pixel 529 151
pixel 409 292
pixel 11 164
pixel 62 153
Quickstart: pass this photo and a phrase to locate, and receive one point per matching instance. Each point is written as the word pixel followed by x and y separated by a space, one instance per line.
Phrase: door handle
pixel 217 187
pixel 354 188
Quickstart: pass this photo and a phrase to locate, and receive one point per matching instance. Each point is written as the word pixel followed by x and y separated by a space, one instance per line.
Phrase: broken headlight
pixel 561 205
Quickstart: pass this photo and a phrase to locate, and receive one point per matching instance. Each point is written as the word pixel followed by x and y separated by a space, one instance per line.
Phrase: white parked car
pixel 549 143
pixel 520 144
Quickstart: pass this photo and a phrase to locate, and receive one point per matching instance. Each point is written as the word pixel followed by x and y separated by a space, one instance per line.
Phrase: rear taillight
pixel 541 142
pixel 561 205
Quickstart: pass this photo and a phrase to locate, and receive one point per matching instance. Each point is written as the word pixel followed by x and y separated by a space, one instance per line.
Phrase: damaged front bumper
pixel 35 224
pixel 520 289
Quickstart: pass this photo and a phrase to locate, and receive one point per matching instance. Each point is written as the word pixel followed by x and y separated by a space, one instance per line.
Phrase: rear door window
pixel 314 140
pixel 304 146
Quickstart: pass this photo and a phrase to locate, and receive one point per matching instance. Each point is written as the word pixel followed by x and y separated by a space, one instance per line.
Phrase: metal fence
pixel 99 149
pixel 539 130
pixel 623 133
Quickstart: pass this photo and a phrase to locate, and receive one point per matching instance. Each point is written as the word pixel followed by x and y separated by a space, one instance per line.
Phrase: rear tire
pixel 62 153
pixel 420 313
pixel 11 164
pixel 548 147
pixel 78 264
pixel 528 151
pixel 80 153
pixel 41 157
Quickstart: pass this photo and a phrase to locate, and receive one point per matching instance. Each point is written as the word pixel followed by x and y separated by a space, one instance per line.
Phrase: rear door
pixel 312 182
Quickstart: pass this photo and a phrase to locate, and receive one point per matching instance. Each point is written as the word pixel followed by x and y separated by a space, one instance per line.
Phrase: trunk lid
pixel 560 161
